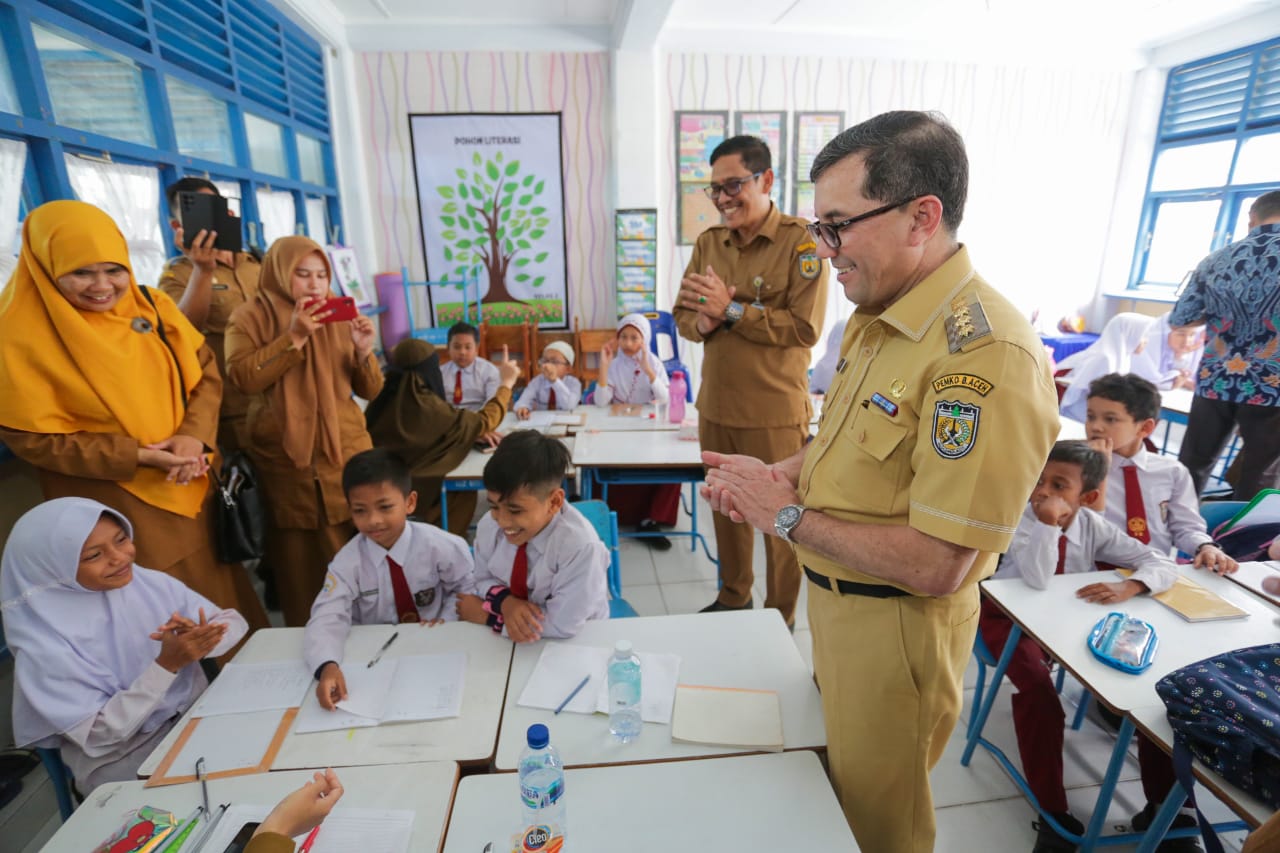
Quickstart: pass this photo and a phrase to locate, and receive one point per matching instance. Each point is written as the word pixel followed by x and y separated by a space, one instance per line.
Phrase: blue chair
pixel 662 324
pixel 61 779
pixel 1216 513
pixel 439 335
pixel 605 521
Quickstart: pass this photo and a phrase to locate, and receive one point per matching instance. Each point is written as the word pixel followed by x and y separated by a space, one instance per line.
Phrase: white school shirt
pixel 480 382
pixel 628 384
pixel 1033 554
pixel 534 398
pixel 107 746
pixel 357 590
pixel 1168 496
pixel 567 566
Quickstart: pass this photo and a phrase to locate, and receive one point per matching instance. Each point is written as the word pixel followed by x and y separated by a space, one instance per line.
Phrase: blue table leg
pixel 1107 790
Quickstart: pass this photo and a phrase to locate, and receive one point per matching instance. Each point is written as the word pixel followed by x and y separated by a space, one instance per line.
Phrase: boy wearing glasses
pixel 754 295
pixel 554 387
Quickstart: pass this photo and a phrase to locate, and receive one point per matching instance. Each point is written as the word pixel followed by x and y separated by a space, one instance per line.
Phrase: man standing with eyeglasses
pixel 933 434
pixel 754 294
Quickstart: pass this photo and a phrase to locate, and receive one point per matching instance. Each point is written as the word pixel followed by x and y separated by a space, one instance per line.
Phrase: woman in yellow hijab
pixel 112 395
pixel 299 372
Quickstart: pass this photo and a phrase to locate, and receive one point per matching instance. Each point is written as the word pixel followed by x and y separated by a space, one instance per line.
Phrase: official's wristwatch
pixel 732 313
pixel 787 519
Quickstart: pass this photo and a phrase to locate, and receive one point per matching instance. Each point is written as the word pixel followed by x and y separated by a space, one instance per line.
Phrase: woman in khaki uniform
pixel 300 372
pixel 113 395
pixel 411 419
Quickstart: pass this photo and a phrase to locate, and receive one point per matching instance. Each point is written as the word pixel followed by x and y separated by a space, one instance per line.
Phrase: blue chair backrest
pixel 1216 513
pixel 662 324
pixel 605 521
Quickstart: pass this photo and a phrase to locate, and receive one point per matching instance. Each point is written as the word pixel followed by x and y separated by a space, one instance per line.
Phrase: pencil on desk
pixel 576 691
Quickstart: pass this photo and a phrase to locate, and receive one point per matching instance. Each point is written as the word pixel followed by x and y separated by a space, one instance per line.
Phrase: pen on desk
pixel 204 784
pixel 311 839
pixel 179 836
pixel 198 844
pixel 385 646
pixel 576 691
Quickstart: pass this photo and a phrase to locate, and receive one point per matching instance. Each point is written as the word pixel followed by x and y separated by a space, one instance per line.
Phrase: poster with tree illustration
pixel 491 204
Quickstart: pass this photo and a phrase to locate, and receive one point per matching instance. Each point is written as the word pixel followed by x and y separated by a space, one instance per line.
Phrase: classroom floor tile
pixel 645 598
pixel 680 565
pixel 1003 825
pixel 636 561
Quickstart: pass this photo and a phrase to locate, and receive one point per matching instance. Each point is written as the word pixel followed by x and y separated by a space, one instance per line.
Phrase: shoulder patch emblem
pixel 329 582
pixel 955 428
pixel 806 246
pixel 424 597
pixel 966 323
pixel 810 266
pixel 977 384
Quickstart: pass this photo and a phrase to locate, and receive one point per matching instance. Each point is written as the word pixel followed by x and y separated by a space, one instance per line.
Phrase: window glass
pixel 13 162
pixel 310 159
pixel 230 190
pixel 266 145
pixel 200 122
pixel 1182 236
pixel 8 92
pixel 1259 160
pixel 278 214
pixel 92 89
pixel 318 220
pixel 1191 166
pixel 1242 218
pixel 130 195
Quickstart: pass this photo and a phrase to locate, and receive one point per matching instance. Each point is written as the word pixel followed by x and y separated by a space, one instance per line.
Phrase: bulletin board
pixel 697 133
pixel 771 126
pixel 813 130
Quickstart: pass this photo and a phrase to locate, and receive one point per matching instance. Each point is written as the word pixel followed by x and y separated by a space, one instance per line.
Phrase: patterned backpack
pixel 1225 711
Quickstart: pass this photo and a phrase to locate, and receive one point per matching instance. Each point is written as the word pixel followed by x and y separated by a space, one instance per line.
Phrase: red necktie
pixel 406 610
pixel 457 388
pixel 551 398
pixel 519 585
pixel 1062 555
pixel 1134 508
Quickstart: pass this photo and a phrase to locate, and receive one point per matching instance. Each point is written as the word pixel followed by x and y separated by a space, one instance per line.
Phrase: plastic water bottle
pixel 542 781
pixel 677 390
pixel 624 693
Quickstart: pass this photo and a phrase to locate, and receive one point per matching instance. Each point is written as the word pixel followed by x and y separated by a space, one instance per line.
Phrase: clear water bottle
pixel 542 781
pixel 677 390
pixel 624 693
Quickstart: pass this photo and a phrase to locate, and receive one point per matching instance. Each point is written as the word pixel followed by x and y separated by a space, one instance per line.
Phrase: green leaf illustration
pixel 536 233
pixel 450 207
pixel 538 189
pixel 524 244
pixel 448 220
pixel 447 192
pixel 461 173
pixel 537 211
pixel 464 244
pixel 542 222
pixel 527 181
pixel 505 215
pixel 524 276
pixel 498 156
pixel 522 262
pixel 540 257
pixel 537 282
pixel 492 171
pixel 462 190
pixel 449 234
pixel 512 168
pixel 448 253
pixel 525 199
pixel 475 158
pixel 509 187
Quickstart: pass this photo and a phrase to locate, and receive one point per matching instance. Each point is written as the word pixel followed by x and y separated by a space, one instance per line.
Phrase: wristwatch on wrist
pixel 732 313
pixel 787 520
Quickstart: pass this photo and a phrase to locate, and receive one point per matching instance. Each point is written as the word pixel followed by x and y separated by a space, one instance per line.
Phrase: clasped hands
pixel 708 295
pixel 746 489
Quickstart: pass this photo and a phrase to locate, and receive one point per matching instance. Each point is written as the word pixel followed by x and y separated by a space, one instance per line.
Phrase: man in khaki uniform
pixel 935 429
pixel 208 285
pixel 754 294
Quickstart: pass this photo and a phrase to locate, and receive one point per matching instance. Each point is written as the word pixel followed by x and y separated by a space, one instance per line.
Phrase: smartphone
pixel 206 212
pixel 241 841
pixel 340 308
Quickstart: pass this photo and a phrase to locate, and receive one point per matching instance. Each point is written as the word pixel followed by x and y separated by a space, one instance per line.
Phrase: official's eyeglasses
pixel 830 231
pixel 731 187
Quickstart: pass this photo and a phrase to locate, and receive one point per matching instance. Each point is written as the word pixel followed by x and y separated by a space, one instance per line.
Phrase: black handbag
pixel 239 526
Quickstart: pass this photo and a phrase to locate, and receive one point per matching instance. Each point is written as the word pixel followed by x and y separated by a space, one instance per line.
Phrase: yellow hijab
pixel 64 370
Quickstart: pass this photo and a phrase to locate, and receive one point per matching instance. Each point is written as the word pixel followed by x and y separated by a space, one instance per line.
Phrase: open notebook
pixel 1194 603
pixel 727 716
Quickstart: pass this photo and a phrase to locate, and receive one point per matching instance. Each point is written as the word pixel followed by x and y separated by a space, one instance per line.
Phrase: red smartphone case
pixel 340 308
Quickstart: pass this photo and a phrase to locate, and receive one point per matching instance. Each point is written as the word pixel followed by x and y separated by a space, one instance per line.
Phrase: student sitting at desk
pixel 553 388
pixel 393 570
pixel 1122 340
pixel 469 380
pixel 1057 535
pixel 1149 496
pixel 540 566
pixel 630 373
pixel 106 653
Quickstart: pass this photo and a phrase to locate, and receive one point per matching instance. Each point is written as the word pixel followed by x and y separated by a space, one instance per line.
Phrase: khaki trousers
pixel 300 560
pixel 735 542
pixel 891 674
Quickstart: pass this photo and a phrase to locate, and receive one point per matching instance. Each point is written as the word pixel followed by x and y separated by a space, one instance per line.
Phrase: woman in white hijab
pixel 1123 338
pixel 1172 355
pixel 106 653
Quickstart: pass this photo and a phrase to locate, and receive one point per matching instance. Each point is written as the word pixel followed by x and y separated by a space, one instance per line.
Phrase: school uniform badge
pixel 955 428
pixel 810 266
pixel 424 597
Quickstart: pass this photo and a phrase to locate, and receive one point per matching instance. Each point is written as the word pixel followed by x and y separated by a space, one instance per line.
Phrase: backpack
pixel 1248 543
pixel 1225 711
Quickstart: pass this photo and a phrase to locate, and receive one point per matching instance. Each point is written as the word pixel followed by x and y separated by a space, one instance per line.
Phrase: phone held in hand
pixel 206 212
pixel 340 308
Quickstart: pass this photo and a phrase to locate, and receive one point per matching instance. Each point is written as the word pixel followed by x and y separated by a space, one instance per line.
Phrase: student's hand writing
pixel 305 808
pixel 523 413
pixel 180 647
pixel 362 336
pixel 523 619
pixel 1052 510
pixel 471 608
pixel 1214 559
pixel 332 686
pixel 1111 593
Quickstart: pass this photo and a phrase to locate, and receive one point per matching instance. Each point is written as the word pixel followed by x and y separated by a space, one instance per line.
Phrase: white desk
pixel 601 419
pixel 426 789
pixel 749 648
pixel 468 738
pixel 471 468
pixel 779 801
pixel 1175 404
pixel 653 449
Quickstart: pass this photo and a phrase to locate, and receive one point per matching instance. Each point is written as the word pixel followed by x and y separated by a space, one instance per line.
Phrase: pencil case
pixel 1126 643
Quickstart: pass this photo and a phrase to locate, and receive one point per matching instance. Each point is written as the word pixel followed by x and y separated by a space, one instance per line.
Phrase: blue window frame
pixel 184 59
pixel 1216 151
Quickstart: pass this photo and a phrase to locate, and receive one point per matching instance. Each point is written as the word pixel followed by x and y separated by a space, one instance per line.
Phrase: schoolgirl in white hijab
pixel 106 653
pixel 629 371
pixel 1124 337
pixel 1172 355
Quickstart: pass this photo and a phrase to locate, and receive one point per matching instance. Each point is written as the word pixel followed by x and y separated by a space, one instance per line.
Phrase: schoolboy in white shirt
pixel 554 388
pixel 540 565
pixel 469 380
pixel 394 570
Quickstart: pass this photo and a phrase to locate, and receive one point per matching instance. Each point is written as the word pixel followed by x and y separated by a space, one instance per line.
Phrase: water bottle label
pixel 539 839
pixel 537 798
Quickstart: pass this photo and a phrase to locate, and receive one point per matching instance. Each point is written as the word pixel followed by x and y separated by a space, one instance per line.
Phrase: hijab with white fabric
pixel 75 648
pixel 1112 352
pixel 1159 362
pixel 627 380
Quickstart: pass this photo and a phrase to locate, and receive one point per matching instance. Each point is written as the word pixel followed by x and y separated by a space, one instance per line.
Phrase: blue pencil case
pixel 1126 643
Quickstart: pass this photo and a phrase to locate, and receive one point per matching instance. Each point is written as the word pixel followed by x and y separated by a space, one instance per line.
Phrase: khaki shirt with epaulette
pixel 756 373
pixel 940 416
pixel 232 287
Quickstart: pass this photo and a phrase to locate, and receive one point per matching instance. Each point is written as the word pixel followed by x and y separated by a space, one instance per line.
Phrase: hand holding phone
pixel 207 212
pixel 333 310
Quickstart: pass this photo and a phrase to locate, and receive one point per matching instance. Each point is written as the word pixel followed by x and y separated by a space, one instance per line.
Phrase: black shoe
pixel 1143 819
pixel 1049 841
pixel 716 607
pixel 657 543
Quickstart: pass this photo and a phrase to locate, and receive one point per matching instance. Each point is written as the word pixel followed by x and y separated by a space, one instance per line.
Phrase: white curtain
pixel 131 196
pixel 277 214
pixel 317 221
pixel 230 190
pixel 13 161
